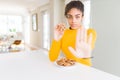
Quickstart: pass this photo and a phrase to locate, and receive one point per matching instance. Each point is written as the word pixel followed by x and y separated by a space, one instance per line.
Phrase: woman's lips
pixel 73 25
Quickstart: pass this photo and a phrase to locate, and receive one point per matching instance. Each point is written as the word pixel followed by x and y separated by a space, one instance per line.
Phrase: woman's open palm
pixel 83 44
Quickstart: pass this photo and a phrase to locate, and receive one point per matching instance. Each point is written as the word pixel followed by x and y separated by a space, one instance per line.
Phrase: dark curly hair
pixel 74 4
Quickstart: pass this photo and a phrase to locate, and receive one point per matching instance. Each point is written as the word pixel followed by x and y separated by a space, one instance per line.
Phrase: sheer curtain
pixel 46 30
pixel 10 23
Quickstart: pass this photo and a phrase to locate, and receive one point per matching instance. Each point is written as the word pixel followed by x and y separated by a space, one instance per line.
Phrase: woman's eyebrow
pixel 69 14
pixel 77 14
pixel 74 15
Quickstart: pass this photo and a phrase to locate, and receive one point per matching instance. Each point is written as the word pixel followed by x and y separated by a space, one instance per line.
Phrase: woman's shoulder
pixel 91 30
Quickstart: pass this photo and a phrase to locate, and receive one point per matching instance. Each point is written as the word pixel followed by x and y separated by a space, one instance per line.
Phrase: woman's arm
pixel 54 50
pixel 56 44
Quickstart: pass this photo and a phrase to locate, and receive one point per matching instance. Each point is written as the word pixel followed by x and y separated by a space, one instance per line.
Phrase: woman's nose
pixel 73 19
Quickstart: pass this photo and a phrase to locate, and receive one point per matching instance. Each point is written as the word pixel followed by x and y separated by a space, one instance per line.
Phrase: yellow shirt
pixel 69 39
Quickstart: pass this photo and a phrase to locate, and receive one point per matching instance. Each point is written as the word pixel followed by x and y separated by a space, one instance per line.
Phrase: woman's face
pixel 74 17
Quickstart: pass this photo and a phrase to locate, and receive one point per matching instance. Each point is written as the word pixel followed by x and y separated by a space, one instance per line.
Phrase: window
pixel 10 23
pixel 46 30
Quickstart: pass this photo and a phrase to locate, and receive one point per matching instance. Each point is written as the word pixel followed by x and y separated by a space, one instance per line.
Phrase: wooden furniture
pixel 17 42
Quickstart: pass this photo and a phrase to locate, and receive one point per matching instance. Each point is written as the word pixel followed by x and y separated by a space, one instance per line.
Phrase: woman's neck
pixel 80 27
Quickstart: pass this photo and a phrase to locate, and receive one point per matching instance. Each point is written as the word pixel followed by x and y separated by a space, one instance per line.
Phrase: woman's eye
pixel 69 16
pixel 77 17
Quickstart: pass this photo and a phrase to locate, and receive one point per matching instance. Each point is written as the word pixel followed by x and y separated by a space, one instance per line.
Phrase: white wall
pixel 55 7
pixel 105 18
pixel 36 36
pixel 13 10
pixel 56 14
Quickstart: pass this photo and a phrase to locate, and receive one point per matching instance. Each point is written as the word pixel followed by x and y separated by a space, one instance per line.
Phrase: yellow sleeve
pixel 54 50
pixel 94 36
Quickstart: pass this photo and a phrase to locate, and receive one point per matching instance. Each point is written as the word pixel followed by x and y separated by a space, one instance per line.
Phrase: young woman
pixel 76 42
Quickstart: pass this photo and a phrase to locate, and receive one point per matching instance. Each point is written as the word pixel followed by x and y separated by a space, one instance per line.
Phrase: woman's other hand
pixel 83 44
pixel 59 31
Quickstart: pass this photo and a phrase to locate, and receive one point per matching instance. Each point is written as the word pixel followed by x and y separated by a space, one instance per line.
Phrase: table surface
pixel 35 65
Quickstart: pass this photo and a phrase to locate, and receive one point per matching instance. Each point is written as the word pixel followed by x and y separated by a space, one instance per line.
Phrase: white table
pixel 35 65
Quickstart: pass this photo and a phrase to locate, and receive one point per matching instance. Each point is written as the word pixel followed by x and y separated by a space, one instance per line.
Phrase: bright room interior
pixel 27 25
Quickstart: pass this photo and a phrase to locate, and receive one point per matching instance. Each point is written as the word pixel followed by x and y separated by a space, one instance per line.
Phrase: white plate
pixel 72 66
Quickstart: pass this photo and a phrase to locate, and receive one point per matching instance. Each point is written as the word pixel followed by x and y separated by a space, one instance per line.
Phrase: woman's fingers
pixel 75 53
pixel 59 30
pixel 83 35
pixel 78 37
pixel 60 27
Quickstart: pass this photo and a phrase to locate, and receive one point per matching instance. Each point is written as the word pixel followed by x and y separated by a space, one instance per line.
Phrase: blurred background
pixel 31 23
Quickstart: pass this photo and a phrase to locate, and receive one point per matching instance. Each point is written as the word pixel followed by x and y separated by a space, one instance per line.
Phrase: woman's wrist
pixel 88 57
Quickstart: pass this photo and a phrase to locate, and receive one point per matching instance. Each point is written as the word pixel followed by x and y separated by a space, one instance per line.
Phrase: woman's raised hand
pixel 83 44
pixel 59 31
